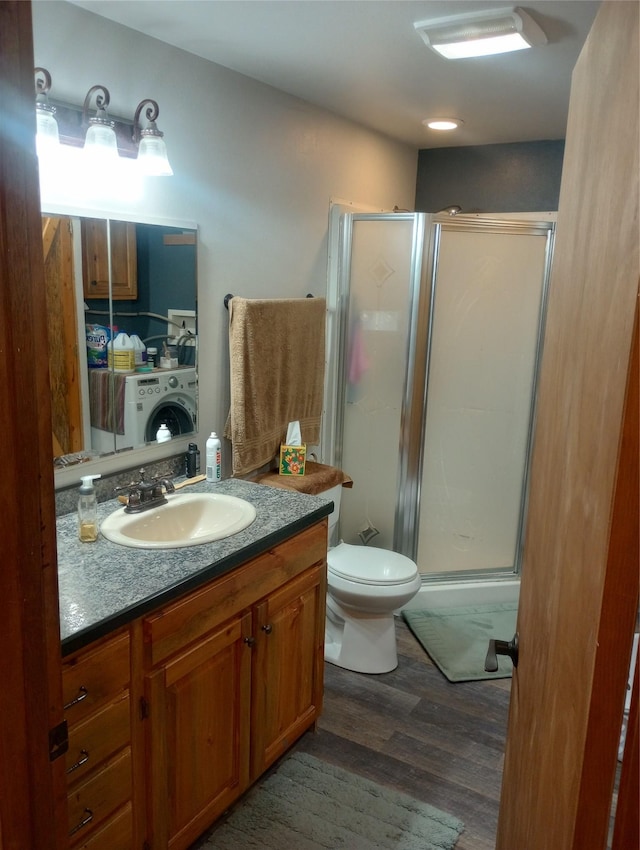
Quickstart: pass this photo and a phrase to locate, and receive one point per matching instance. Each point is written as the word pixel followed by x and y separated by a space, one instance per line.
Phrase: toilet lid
pixel 368 565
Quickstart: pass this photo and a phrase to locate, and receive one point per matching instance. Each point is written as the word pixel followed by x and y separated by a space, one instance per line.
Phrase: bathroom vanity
pixel 194 674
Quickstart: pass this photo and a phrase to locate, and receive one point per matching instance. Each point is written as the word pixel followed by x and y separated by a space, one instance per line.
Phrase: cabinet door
pixel 95 259
pixel 288 666
pixel 198 746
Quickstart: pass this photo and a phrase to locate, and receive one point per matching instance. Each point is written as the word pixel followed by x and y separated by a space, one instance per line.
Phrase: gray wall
pixel 517 177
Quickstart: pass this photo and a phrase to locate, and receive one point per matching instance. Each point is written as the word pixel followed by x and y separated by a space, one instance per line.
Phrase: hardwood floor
pixel 415 731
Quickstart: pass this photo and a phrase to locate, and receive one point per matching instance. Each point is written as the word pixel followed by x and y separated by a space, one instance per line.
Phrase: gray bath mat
pixel 457 639
pixel 308 804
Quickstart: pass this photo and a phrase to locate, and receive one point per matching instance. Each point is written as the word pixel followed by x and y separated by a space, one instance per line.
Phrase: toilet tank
pixel 334 494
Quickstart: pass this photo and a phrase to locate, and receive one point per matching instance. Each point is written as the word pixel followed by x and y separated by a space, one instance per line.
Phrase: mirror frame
pixel 127 458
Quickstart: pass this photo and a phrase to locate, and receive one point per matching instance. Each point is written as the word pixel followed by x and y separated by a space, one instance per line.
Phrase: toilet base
pixel 360 641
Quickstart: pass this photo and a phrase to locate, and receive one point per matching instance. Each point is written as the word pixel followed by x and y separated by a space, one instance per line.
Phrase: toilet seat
pixel 370 565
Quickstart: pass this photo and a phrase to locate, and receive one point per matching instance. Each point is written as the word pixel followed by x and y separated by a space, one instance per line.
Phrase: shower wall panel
pixel 375 371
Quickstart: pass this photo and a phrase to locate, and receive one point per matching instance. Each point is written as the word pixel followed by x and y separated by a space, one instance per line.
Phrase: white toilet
pixel 365 586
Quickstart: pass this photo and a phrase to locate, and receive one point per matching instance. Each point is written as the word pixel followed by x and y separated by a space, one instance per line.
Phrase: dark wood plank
pixel 414 731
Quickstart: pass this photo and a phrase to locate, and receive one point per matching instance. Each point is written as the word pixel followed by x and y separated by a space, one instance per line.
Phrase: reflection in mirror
pixel 121 304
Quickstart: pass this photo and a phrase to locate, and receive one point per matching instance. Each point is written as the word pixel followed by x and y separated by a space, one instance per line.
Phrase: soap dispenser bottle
pixel 88 510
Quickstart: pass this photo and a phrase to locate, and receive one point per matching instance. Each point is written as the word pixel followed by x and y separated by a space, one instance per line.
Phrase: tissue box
pixel 292 460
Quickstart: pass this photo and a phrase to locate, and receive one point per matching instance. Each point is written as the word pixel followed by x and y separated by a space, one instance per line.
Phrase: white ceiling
pixel 363 60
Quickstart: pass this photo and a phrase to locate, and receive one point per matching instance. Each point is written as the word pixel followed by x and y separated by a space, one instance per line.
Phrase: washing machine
pixel 150 399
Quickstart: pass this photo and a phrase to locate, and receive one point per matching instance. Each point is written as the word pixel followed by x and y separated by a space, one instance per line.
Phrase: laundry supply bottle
pixel 87 510
pixel 139 350
pixel 214 458
pixel 163 434
pixel 120 356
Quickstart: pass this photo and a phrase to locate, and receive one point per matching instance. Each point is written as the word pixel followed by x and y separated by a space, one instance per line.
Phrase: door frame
pixel 32 788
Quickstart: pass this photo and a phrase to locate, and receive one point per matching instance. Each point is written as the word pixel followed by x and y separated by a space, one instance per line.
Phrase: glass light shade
pixel 152 157
pixel 47 137
pixel 483 46
pixel 101 144
pixel 442 123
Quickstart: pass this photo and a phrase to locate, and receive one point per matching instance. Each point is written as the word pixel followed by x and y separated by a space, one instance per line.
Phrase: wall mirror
pixel 108 281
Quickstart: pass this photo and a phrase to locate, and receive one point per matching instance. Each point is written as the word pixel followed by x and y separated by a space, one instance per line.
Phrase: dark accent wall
pixel 515 177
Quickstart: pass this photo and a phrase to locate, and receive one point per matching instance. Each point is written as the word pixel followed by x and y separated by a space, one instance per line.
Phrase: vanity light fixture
pixel 47 136
pixel 105 138
pixel 152 151
pixel 481 33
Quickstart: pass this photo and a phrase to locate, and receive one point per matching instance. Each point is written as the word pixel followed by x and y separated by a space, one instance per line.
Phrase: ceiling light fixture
pixel 481 33
pixel 442 123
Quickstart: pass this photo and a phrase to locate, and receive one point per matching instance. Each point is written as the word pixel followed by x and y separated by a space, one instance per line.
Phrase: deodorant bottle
pixel 214 458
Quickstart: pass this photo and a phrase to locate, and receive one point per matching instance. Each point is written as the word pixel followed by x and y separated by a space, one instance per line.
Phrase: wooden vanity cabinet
pixel 95 259
pixel 233 677
pixel 97 705
pixel 173 719
pixel 288 659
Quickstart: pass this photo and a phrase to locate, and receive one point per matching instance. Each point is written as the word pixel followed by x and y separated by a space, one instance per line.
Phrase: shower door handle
pixel 501 647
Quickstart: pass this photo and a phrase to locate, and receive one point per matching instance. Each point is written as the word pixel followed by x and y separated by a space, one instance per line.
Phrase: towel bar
pixel 229 296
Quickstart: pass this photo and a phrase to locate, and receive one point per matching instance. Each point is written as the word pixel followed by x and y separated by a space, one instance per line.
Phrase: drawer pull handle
pixel 84 758
pixel 267 629
pixel 249 641
pixel 88 817
pixel 83 693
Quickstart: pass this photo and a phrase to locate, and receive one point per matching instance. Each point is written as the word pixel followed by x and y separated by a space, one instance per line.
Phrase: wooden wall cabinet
pixel 228 677
pixel 95 259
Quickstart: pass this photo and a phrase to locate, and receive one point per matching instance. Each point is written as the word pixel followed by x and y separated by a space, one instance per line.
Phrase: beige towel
pixel 276 354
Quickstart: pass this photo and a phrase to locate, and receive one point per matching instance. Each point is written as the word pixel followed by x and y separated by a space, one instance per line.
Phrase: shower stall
pixel 435 333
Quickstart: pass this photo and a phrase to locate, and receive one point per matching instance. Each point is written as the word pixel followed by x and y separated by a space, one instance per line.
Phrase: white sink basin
pixel 187 519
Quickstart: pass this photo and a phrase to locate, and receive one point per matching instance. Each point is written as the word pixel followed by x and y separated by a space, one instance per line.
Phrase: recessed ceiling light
pixel 442 123
pixel 481 33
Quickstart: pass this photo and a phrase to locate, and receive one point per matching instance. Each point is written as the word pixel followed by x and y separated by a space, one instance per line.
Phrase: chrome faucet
pixel 142 494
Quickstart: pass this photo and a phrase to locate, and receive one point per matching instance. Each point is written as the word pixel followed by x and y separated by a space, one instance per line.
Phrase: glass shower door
pixel 487 312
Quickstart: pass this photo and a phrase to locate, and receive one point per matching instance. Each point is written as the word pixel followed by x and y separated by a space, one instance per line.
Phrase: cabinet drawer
pixel 94 800
pixel 100 736
pixel 179 624
pixel 95 676
pixel 116 834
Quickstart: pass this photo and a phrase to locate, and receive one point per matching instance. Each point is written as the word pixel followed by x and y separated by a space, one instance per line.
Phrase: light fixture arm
pixel 103 99
pixel 151 115
pixel 43 81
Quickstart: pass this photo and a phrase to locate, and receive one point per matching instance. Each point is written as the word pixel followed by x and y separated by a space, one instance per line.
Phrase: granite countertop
pixel 103 585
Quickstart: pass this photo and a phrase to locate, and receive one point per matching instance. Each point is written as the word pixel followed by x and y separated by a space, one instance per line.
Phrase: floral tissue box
pixel 292 460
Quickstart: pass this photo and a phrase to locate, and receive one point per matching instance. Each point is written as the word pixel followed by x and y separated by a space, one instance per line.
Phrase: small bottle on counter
pixel 88 510
pixel 192 461
pixel 214 458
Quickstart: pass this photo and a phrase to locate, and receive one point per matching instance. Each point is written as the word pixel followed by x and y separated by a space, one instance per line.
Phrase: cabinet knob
pixel 250 641
pixel 267 629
